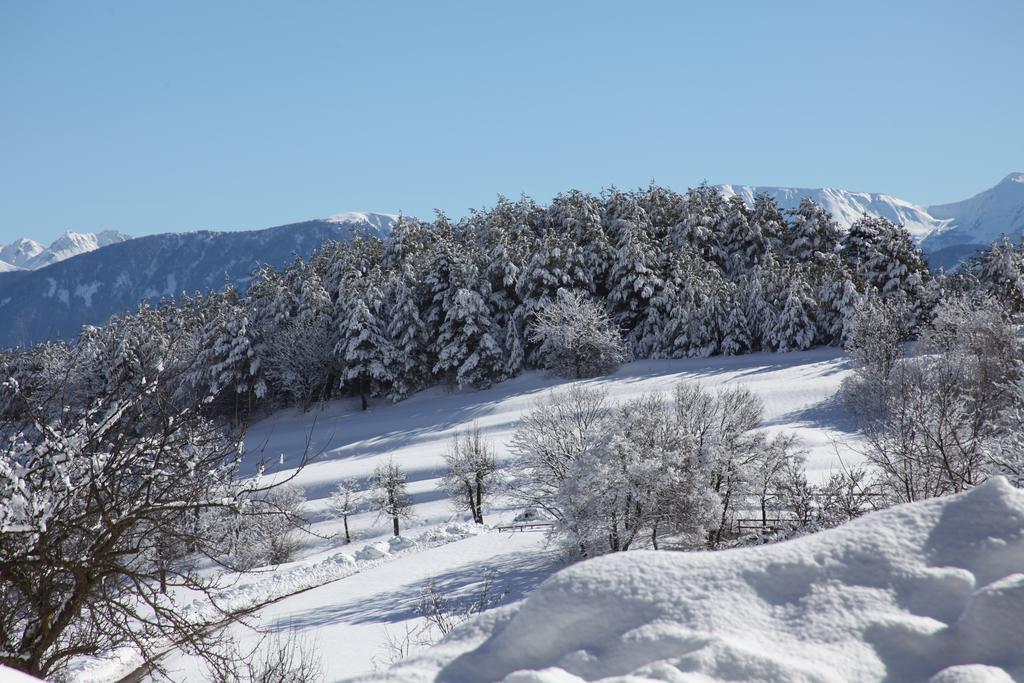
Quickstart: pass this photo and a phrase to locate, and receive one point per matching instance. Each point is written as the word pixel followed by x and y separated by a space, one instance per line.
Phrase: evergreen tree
pixel 794 328
pixel 811 231
pixel 363 347
pixel 633 278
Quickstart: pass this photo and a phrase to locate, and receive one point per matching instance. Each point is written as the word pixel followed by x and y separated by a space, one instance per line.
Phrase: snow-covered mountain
pixel 28 254
pixel 981 219
pixel 113 275
pixel 947 233
pixel 19 252
pixel 846 206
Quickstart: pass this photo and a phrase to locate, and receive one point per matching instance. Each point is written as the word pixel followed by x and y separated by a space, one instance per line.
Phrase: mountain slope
pixel 981 219
pixel 55 301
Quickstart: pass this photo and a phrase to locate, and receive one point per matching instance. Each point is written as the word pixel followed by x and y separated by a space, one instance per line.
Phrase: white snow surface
pixel 931 591
pixel 9 675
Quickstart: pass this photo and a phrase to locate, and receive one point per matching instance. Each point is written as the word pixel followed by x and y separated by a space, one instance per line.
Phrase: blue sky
pixel 152 117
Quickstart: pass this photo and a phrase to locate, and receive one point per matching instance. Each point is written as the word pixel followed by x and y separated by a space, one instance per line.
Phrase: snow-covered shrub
pixel 576 338
pixel 268 534
pixel 618 477
pixel 937 422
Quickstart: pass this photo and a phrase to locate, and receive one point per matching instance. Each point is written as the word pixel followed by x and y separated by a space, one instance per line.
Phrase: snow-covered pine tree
pixel 578 216
pixel 363 347
pixel 698 229
pixel 742 246
pixel 883 256
pixel 228 366
pixel 633 278
pixel 736 337
pixel 794 328
pixel 406 334
pixel 556 262
pixel 766 220
pixel 466 346
pixel 1000 273
pixel 811 231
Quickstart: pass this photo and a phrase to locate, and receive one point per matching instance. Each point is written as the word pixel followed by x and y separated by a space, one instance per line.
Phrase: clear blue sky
pixel 163 116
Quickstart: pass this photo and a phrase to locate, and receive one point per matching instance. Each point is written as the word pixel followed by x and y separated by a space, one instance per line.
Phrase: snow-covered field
pixel 351 618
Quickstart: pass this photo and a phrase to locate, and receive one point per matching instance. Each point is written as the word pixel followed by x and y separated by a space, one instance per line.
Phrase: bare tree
pixel 94 503
pixel 444 612
pixel 345 502
pixel 471 467
pixel 281 657
pixel 391 498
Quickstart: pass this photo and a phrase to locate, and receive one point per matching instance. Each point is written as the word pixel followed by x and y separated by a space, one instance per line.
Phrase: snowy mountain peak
pixel 30 255
pixel 981 219
pixel 379 222
pixel 19 252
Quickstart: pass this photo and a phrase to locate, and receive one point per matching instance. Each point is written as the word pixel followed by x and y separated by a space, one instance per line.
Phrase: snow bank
pixel 8 675
pixel 931 592
pixel 278 585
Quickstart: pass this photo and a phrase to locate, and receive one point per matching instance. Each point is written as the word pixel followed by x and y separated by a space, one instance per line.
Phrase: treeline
pixel 679 275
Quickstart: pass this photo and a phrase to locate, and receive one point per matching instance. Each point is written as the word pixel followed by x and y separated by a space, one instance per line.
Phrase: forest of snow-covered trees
pixel 678 275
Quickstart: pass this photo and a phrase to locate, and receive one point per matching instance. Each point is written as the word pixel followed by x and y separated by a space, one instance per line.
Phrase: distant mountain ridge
pixel 947 233
pixel 26 254
pixel 54 301
pixel 845 206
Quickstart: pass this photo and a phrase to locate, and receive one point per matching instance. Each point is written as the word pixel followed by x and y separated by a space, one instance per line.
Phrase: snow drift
pixel 931 591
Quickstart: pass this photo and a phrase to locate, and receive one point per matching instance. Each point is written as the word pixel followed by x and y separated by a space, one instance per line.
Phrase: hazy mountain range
pixel 56 300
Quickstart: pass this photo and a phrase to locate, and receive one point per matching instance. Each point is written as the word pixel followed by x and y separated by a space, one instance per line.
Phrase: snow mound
pixel 931 591
pixel 373 551
pixel 399 543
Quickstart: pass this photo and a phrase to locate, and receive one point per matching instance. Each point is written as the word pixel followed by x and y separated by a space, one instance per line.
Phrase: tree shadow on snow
pixel 513 578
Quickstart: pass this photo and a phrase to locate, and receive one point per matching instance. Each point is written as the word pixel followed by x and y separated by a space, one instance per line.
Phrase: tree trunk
pixel 348 538
pixel 478 513
pixel 394 520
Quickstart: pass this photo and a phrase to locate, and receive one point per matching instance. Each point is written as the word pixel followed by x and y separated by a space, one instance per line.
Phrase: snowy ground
pixel 350 618
pixel 929 592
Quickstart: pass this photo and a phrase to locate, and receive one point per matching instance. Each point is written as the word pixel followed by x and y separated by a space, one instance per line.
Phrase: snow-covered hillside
pixel 926 592
pixel 350 618
pixel 846 206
